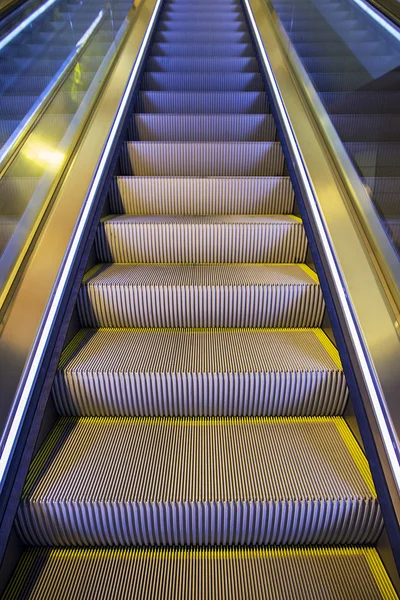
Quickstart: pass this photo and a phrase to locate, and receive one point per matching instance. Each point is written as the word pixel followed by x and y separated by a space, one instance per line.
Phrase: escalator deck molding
pixel 216 372
pixel 178 484
pixel 201 196
pixel 334 573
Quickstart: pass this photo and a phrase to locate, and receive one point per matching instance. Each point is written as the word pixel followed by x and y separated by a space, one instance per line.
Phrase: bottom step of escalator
pixel 288 574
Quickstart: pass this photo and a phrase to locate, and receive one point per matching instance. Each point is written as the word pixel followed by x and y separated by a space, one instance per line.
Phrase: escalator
pixel 201 448
pixel 355 69
pixel 30 61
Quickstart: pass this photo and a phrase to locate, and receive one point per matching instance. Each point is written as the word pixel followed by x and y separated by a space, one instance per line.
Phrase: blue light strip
pixel 13 34
pixel 28 380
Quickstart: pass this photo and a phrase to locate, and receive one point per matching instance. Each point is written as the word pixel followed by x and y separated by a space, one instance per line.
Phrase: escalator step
pixel 202 102
pixel 218 239
pixel 202 128
pixel 7 127
pixel 362 102
pixel 202 49
pixel 7 228
pixel 201 196
pixel 185 295
pixel 340 49
pixel 367 127
pixel 339 82
pixel 335 573
pixel 15 194
pixel 385 192
pixel 12 105
pixel 227 37
pixel 206 25
pixel 201 82
pixel 206 64
pixel 192 372
pixel 199 482
pixel 375 159
pixel 202 158
pixel 201 16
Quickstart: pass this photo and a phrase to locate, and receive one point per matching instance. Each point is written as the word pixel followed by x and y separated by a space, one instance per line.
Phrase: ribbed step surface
pixel 212 82
pixel 200 102
pixel 201 64
pixel 200 372
pixel 201 37
pixel 336 573
pixel 201 296
pixel 201 196
pixel 202 159
pixel 202 49
pixel 202 128
pixel 185 481
pixel 218 239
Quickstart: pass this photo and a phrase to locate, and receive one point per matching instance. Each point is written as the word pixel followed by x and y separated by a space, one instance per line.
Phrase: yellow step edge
pixel 357 454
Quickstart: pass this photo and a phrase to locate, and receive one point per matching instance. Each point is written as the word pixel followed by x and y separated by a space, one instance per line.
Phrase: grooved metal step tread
pixel 362 102
pixel 191 239
pixel 201 195
pixel 190 372
pixel 367 127
pixel 213 295
pixel 8 224
pixel 202 49
pixel 202 82
pixel 203 25
pixel 193 18
pixel 202 128
pixel 202 63
pixel 199 481
pixel 203 159
pixel 238 574
pixel 202 102
pixel 201 37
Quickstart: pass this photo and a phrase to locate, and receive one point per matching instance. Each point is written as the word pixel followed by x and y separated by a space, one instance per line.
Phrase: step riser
pixel 199 523
pixel 204 160
pixel 201 82
pixel 217 26
pixel 271 394
pixel 191 16
pixel 202 128
pixel 362 102
pixel 193 243
pixel 201 37
pixel 201 64
pixel 200 306
pixel 202 50
pixel 202 103
pixel 368 128
pixel 198 196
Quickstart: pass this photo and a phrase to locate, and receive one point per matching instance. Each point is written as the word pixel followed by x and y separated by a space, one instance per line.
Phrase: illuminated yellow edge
pixel 380 575
pixel 270 216
pixel 27 562
pixel 329 347
pixel 356 453
pixel 80 337
pixel 309 272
